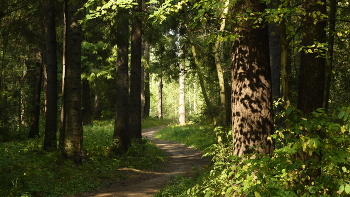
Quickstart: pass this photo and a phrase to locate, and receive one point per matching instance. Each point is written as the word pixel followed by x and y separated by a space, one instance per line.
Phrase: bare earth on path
pixel 181 161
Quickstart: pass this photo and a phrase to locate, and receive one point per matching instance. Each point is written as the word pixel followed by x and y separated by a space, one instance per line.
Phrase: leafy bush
pixel 319 143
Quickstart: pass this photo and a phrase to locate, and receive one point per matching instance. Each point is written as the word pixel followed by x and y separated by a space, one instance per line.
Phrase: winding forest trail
pixel 181 161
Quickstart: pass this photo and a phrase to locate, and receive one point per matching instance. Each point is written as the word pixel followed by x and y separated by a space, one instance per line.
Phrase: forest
pixel 261 86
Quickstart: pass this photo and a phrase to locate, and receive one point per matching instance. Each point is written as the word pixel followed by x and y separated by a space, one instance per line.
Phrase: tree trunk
pixel 135 76
pixel 312 67
pixel 252 121
pixel 86 103
pixel 329 61
pixel 160 98
pixel 182 100
pixel 219 70
pixel 36 93
pixel 312 74
pixel 50 141
pixel 72 130
pixel 285 67
pixel 121 134
pixel 147 91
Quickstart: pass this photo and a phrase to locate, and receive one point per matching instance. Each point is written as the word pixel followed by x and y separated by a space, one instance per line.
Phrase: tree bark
pixel 72 130
pixel 36 93
pixel 50 141
pixel 135 74
pixel 147 91
pixel 329 61
pixel 312 65
pixel 121 134
pixel 182 93
pixel 252 121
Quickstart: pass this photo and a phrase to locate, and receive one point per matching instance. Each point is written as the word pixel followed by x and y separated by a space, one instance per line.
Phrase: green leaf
pixel 341 189
pixel 347 189
pixel 341 114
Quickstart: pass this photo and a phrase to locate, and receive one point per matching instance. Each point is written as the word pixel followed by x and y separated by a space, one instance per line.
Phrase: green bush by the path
pixel 26 170
pixel 286 171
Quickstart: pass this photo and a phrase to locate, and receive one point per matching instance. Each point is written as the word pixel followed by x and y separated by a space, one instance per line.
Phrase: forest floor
pixel 182 160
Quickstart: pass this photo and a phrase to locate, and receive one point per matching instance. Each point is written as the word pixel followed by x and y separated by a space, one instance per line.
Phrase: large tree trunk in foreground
pixel 121 130
pixel 72 130
pixel 252 121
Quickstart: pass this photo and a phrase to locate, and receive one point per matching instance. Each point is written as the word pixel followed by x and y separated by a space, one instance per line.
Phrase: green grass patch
pixel 193 135
pixel 155 122
pixel 26 170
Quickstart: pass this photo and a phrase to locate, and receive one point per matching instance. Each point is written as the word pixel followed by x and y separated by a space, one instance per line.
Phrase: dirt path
pixel 182 161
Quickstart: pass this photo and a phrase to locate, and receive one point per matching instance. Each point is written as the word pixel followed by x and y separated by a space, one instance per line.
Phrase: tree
pixel 72 130
pixel 135 74
pixel 121 134
pixel 252 121
pixel 36 92
pixel 312 63
pixel 50 76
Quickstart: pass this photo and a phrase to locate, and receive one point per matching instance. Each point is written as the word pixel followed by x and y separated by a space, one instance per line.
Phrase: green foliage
pixel 193 135
pixel 286 171
pixel 150 122
pixel 26 170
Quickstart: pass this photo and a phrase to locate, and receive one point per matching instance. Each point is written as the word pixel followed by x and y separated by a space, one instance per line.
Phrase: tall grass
pixel 26 170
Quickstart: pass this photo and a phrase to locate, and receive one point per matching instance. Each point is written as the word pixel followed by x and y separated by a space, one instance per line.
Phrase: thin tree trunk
pixel 160 98
pixel 147 91
pixel 219 70
pixel 135 75
pixel 285 67
pixel 197 64
pixel 182 99
pixel 329 60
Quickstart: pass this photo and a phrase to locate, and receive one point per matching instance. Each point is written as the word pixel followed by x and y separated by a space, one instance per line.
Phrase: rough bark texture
pixel 121 131
pixel 252 121
pixel 312 67
pixel 182 103
pixel 50 76
pixel 73 130
pixel 135 76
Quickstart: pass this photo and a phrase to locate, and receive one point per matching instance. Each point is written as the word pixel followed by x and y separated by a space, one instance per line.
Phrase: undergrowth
pixel 319 143
pixel 28 171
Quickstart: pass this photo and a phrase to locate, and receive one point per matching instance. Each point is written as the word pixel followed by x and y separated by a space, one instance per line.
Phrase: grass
pixel 27 171
pixel 193 135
